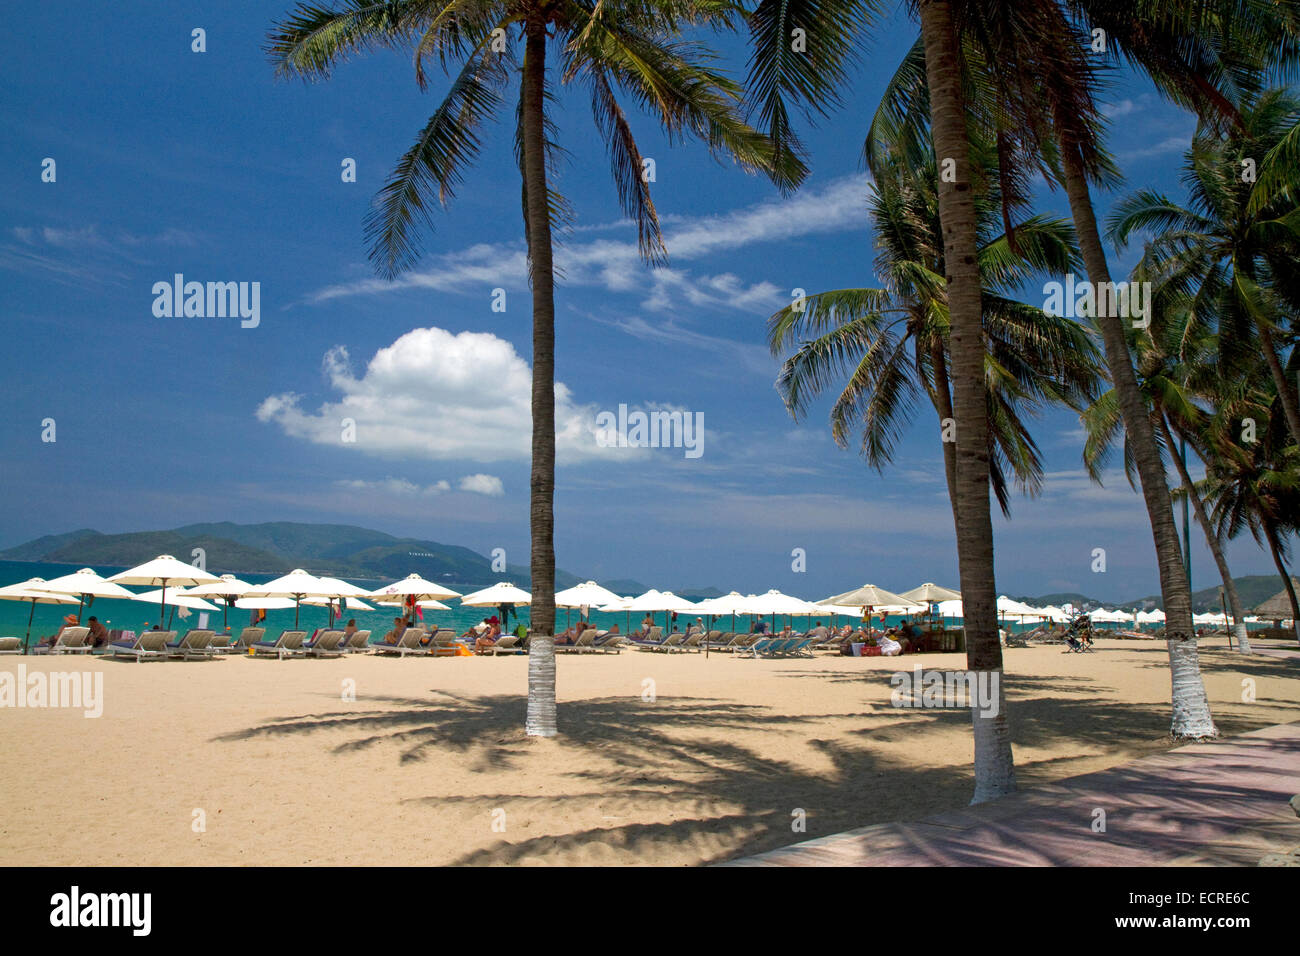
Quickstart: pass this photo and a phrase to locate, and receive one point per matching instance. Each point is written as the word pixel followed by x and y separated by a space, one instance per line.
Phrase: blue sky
pixel 170 161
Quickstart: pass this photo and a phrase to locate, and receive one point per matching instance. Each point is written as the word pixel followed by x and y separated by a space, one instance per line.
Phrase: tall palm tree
pixel 1177 377
pixel 1031 85
pixel 1257 489
pixel 1240 254
pixel 614 47
pixel 887 345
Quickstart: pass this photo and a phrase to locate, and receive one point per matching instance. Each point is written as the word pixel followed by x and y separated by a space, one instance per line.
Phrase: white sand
pixel 432 753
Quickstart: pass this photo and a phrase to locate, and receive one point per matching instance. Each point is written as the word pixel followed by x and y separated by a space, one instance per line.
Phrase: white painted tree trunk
pixel 1191 705
pixel 541 720
pixel 1243 637
pixel 995 771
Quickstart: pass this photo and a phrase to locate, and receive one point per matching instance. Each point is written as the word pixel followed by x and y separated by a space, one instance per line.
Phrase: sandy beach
pixel 262 762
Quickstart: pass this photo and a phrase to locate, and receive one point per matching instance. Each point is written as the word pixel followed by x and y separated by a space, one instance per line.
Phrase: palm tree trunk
pixel 1212 539
pixel 1284 393
pixel 943 405
pixel 541 720
pixel 994 765
pixel 1191 706
pixel 1275 547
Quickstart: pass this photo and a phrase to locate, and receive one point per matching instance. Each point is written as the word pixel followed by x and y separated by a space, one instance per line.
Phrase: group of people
pixel 97 634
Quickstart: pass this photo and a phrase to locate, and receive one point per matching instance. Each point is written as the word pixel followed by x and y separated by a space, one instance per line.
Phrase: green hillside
pixel 276 547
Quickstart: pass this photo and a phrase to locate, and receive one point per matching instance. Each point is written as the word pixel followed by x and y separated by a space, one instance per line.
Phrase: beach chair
pixel 247 638
pixel 761 646
pixel 725 641
pixel 673 642
pixel 444 643
pixel 505 644
pixel 358 643
pixel 326 644
pixel 288 644
pixel 223 643
pixel 612 643
pixel 585 644
pixel 656 636
pixel 151 645
pixel 694 641
pixel 73 640
pixel 408 643
pixel 193 646
pixel 800 647
pixel 11 645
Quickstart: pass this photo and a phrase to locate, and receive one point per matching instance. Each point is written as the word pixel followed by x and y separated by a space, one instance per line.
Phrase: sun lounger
pixel 409 643
pixel 247 638
pixel 288 644
pixel 73 640
pixel 694 641
pixel 612 643
pixel 445 642
pixel 585 643
pixel 326 644
pixel 505 644
pixel 673 642
pixel 11 645
pixel 193 646
pixel 223 643
pixel 151 645
pixel 358 643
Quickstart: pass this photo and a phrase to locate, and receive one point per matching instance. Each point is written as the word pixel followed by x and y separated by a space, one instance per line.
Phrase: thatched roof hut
pixel 1279 605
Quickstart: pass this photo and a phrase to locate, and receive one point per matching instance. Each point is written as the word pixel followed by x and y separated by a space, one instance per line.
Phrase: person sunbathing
pixel 488 638
pixel 395 635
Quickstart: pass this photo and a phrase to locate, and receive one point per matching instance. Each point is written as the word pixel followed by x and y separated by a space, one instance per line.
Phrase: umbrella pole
pixel 81 606
pixel 28 638
pixel 297 603
pixel 162 603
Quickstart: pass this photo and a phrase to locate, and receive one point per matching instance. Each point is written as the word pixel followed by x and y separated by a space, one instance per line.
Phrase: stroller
pixel 1078 636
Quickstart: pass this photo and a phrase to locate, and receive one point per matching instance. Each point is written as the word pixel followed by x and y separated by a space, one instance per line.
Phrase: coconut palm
pixel 1240 255
pixel 1187 394
pixel 1257 489
pixel 888 345
pixel 617 49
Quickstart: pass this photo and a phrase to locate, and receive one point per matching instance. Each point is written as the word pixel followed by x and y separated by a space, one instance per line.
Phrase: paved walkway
pixel 1217 804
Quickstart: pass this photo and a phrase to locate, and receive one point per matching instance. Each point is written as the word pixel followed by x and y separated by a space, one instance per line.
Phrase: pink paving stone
pixel 1221 803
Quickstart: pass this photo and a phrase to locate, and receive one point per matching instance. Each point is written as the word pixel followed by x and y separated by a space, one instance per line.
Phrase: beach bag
pixel 463 651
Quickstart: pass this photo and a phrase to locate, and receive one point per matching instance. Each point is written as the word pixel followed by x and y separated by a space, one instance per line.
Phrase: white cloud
pixel 481 484
pixel 395 486
pixel 615 265
pixel 437 395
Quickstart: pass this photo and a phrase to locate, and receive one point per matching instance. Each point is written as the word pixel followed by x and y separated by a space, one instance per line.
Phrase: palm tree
pixel 1239 253
pixel 1257 488
pixel 1176 374
pixel 889 344
pixel 613 47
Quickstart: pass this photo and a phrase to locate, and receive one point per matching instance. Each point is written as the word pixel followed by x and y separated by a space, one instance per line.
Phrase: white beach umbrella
pixel 429 605
pixel 256 603
pixel 586 594
pixel 162 571
pixel 410 591
pixel 176 597
pixel 866 596
pixel 503 592
pixel 28 591
pixel 930 593
pixel 227 589
pixel 344 592
pixel 297 585
pixel 655 600
pixel 951 609
pixel 413 586
pixel 85 583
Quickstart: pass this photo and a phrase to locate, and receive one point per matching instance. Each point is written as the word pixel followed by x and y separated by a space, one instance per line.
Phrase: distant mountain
pixel 38 549
pixel 1254 589
pixel 277 547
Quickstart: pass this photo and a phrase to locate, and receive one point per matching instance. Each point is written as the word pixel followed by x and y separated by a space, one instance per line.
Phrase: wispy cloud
pixel 615 264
